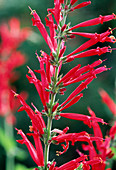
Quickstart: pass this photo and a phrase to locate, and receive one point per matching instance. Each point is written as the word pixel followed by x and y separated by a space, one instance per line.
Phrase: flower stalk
pixel 52 101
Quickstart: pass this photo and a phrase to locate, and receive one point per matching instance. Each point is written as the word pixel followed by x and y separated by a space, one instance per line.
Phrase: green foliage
pixel 21 167
pixel 8 143
pixel 114 151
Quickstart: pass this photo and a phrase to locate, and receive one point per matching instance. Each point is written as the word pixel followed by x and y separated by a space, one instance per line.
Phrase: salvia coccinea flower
pixel 36 154
pixel 108 101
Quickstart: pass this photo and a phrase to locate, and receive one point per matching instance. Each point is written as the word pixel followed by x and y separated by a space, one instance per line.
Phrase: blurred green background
pixel 19 9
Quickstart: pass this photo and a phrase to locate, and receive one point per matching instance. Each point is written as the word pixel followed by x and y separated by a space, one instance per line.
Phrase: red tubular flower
pixel 49 67
pixel 39 115
pixel 112 132
pixel 57 10
pixel 94 38
pixel 62 51
pixel 38 146
pixel 86 119
pixel 98 51
pixel 71 165
pixel 108 101
pixel 81 87
pixel 38 86
pixel 93 162
pixel 74 137
pixel 92 73
pixel 72 102
pixel 35 118
pixel 45 84
pixel 100 20
pixel 12 37
pixel 91 149
pixel 37 22
pixel 96 129
pixel 51 25
pixel 69 74
pixel 32 150
pixel 51 84
pixel 81 5
pixel 72 2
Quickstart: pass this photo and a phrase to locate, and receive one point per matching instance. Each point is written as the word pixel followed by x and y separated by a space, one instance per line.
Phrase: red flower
pixel 35 153
pixel 37 22
pixel 103 147
pixel 86 119
pixel 36 118
pixel 81 87
pixel 11 37
pixel 72 2
pixel 112 132
pixel 38 86
pixel 72 102
pixel 51 25
pixel 100 20
pixel 81 5
pixel 108 101
pixel 71 165
pixel 94 38
pixel 88 53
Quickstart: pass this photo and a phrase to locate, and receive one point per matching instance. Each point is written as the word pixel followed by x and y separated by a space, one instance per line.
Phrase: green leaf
pixel 114 151
pixel 7 142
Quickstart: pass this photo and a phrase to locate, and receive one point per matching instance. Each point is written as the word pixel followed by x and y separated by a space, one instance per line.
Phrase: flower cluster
pixel 11 37
pixel 52 83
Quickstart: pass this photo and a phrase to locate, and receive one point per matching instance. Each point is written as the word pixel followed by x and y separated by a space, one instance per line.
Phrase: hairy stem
pixel 53 96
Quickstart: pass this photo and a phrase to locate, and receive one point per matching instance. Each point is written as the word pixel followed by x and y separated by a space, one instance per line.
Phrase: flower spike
pixel 50 83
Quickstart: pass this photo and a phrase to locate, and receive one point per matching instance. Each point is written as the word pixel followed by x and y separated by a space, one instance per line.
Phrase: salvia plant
pixel 53 82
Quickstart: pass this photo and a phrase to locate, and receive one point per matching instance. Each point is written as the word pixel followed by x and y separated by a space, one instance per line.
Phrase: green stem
pixel 10 162
pixel 49 123
pixel 53 96
pixel 47 145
